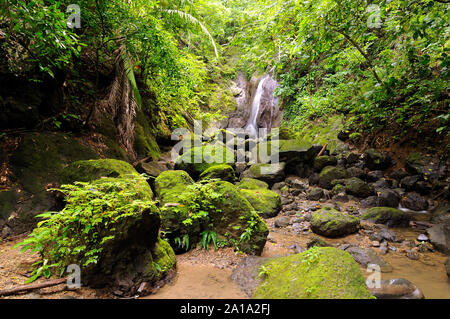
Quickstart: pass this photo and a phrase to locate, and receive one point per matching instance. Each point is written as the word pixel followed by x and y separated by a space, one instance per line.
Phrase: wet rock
pixel 423 187
pixel 414 201
pixel 329 174
pixel 352 158
pixel 314 179
pixel 246 274
pixel 341 198
pixel 282 222
pixel 389 216
pixel 440 238
pixel 356 172
pixel 388 198
pixel 329 222
pixel 374 176
pixel 447 266
pixel 366 256
pixel 398 174
pixel 315 194
pixel 375 160
pixel 409 182
pixel 317 242
pixel 381 184
pixel 395 289
pixel 412 254
pixel 383 234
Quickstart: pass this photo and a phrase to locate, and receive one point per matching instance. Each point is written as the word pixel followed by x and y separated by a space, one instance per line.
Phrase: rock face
pixel 376 161
pixel 428 167
pixel 329 174
pixel 318 273
pixel 366 256
pixel 223 172
pixel 389 216
pixel 329 222
pixel 397 289
pixel 440 238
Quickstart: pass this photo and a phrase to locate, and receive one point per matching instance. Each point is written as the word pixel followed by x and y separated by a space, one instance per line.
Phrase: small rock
pixel 396 289
pixel 282 222
pixel 412 254
pixel 422 237
pixel 376 243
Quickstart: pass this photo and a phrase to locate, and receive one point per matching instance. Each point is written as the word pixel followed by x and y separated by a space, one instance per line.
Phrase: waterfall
pixel 252 126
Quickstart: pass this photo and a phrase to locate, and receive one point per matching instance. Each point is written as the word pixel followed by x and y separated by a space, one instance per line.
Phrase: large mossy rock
pixel 329 222
pixel 329 174
pixel 392 217
pixel 266 202
pixel 321 162
pixel 318 273
pixel 268 173
pixel 233 216
pixel 122 237
pixel 223 172
pixel 170 184
pixel 198 159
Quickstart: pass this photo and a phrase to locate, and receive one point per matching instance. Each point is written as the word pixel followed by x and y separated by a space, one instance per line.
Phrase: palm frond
pixel 195 21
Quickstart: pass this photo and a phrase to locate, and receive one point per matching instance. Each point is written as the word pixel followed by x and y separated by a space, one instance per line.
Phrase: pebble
pixel 376 243
pixel 422 237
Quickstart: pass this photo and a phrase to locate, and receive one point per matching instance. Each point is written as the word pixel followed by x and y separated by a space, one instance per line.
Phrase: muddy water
pixel 200 282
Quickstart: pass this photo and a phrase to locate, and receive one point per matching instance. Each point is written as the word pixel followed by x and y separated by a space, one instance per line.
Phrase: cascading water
pixel 252 126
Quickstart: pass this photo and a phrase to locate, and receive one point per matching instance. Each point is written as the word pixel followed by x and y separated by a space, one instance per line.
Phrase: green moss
pixel 145 143
pixel 324 132
pixel 251 183
pixel 40 158
pixel 266 203
pixel 164 257
pixel 198 159
pixel 329 174
pixel 221 171
pixel 108 129
pixel 332 223
pixel 318 273
pixel 387 215
pixel 170 184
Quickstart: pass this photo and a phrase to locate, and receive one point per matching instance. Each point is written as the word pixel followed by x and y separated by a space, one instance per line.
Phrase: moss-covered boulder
pixel 198 159
pixel 223 172
pixel 318 273
pixel 233 218
pixel 86 171
pixel 266 202
pixel 251 183
pixel 355 186
pixel 170 184
pixel 321 162
pixel 329 174
pixel 269 173
pixel 376 161
pixel 392 217
pixel 329 222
